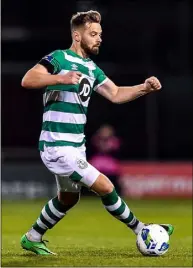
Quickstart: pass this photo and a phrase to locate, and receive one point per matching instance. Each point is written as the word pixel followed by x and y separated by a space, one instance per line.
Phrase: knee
pixel 107 189
pixel 68 199
pixel 102 185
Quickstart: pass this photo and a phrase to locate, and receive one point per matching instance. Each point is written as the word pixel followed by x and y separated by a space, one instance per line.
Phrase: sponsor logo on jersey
pixel 74 67
pixel 84 89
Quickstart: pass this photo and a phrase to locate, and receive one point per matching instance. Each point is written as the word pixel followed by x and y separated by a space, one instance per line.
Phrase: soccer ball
pixel 152 240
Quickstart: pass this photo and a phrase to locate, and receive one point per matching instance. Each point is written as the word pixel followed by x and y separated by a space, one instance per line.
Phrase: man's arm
pixel 39 77
pixel 118 94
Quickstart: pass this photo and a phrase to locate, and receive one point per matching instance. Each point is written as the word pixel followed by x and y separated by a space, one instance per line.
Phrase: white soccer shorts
pixel 70 167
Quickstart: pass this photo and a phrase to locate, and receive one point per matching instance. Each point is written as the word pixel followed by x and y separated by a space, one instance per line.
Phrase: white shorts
pixel 70 167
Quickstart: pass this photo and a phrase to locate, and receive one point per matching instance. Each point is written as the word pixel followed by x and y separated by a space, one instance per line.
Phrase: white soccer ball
pixel 153 240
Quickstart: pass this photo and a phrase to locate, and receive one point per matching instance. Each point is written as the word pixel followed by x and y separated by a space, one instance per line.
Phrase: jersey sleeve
pixel 52 62
pixel 101 78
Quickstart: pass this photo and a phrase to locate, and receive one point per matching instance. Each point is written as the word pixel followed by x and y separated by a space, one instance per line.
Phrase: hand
pixel 152 84
pixel 70 78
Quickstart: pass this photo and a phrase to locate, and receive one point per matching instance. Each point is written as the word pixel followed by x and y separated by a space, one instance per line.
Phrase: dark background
pixel 140 39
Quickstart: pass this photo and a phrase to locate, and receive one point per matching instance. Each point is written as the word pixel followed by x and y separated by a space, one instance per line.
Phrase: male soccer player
pixel 70 77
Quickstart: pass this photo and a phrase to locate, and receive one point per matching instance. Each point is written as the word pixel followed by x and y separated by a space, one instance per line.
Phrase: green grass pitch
pixel 89 236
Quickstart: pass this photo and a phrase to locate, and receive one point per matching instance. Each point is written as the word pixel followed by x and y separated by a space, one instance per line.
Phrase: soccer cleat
pixel 168 227
pixel 37 247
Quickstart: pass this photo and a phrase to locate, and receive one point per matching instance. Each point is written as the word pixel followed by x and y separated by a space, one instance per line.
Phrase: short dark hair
pixel 81 18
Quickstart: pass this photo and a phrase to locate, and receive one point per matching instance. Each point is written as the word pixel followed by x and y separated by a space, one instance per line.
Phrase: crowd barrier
pixel 137 180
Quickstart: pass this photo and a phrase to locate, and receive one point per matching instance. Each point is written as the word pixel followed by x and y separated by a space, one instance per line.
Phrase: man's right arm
pixel 39 77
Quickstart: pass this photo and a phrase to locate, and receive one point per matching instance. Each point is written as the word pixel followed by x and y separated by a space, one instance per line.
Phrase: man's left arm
pixel 124 94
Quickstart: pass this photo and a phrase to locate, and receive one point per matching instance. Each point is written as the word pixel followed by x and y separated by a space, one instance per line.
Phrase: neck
pixel 79 51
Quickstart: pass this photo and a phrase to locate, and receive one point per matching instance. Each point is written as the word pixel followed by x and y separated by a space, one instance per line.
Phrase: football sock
pixel 119 209
pixel 50 215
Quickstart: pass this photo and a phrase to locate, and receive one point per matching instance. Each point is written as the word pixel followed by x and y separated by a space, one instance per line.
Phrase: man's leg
pixel 85 173
pixel 100 184
pixel 114 204
pixel 117 207
pixel 51 214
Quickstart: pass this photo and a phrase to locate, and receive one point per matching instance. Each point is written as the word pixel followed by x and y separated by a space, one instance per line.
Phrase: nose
pixel 99 39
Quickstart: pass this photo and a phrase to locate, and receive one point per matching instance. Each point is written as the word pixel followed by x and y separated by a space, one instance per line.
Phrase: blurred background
pixel 150 143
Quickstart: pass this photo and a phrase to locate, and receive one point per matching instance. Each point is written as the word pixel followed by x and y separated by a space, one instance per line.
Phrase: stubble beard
pixel 89 51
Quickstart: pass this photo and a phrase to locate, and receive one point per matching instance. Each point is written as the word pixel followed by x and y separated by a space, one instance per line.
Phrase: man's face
pixel 91 38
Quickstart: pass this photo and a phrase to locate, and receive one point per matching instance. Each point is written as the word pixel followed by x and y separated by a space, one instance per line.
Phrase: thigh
pixel 69 163
pixel 65 184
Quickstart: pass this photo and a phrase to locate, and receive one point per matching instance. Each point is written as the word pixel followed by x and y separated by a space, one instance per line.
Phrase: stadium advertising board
pixel 140 180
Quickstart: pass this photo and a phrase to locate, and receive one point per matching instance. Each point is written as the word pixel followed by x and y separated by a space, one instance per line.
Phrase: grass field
pixel 89 236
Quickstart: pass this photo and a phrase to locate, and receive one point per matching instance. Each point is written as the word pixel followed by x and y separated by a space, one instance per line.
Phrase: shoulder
pixel 98 70
pixel 56 56
pixel 57 52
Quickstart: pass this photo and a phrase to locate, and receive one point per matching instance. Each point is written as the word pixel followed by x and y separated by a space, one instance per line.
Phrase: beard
pixel 89 51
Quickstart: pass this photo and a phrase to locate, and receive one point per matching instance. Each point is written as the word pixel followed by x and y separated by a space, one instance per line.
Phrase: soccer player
pixel 70 77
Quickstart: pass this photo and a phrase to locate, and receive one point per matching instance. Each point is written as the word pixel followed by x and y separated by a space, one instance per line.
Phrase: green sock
pixel 51 214
pixel 119 209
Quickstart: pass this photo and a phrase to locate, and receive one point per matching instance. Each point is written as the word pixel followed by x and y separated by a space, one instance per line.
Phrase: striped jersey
pixel 65 106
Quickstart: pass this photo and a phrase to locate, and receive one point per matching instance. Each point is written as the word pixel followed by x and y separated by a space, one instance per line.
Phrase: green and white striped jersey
pixel 65 106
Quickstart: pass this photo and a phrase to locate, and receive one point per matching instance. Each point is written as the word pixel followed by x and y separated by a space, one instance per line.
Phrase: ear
pixel 76 36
